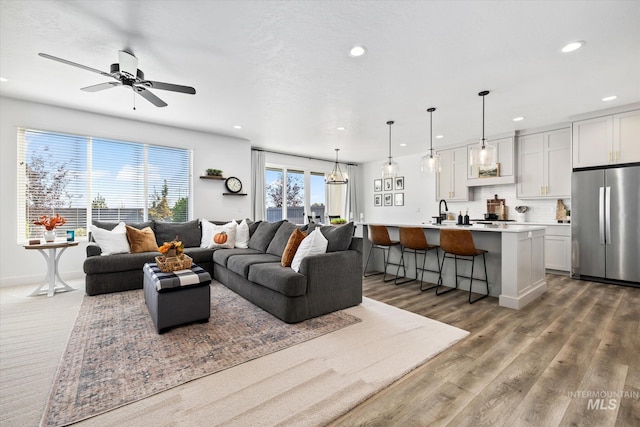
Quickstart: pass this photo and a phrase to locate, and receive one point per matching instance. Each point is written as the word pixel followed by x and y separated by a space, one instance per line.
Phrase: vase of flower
pixel 49 235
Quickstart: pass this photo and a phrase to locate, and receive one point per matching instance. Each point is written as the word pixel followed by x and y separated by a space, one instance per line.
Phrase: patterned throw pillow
pixel 141 240
pixel 292 246
pixel 224 236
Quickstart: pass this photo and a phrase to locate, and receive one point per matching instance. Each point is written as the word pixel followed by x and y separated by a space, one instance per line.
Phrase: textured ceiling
pixel 282 69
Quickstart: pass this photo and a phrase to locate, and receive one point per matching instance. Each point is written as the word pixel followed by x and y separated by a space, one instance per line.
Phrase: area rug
pixel 115 357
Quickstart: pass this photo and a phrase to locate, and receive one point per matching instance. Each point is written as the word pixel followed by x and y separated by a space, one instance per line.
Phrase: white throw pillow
pixel 242 235
pixel 207 233
pixel 111 242
pixel 230 231
pixel 315 243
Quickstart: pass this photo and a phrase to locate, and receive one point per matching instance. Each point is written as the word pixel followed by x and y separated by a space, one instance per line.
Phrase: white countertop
pixel 500 228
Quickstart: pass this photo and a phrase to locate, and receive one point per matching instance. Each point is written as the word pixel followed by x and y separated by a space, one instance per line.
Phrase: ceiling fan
pixel 126 73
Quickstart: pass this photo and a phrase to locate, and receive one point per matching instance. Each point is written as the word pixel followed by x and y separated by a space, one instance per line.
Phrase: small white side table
pixel 53 275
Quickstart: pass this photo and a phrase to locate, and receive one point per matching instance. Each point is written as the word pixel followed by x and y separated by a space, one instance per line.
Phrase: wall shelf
pixel 234 194
pixel 212 177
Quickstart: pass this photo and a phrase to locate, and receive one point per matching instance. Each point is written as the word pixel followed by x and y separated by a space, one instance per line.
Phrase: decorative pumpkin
pixel 220 238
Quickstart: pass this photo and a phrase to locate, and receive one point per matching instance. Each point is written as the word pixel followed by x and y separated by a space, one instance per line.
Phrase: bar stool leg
pixel 440 278
pixel 486 280
pixel 404 269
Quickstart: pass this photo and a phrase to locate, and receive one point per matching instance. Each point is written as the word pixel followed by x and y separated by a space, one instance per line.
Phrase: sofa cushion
pixel 338 236
pixel 118 263
pixel 240 264
pixel 200 256
pixel 292 247
pixel 221 256
pixel 280 239
pixel 111 241
pixel 263 235
pixel 278 278
pixel 187 232
pixel 141 240
pixel 253 226
pixel 315 243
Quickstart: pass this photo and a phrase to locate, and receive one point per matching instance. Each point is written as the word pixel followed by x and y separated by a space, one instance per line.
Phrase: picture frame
pixel 388 184
pixel 377 200
pixel 398 199
pixel 399 183
pixel 377 185
pixel 388 199
pixel 489 172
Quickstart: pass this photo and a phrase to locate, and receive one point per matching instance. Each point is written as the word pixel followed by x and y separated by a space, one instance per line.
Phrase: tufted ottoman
pixel 178 297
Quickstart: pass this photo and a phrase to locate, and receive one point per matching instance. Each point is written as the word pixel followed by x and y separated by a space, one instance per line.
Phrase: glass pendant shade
pixel 483 154
pixel 431 161
pixel 390 169
pixel 336 177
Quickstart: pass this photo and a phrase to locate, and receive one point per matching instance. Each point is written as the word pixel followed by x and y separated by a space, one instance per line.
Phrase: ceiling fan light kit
pixel 484 154
pixel 126 73
pixel 390 168
pixel 430 161
pixel 336 177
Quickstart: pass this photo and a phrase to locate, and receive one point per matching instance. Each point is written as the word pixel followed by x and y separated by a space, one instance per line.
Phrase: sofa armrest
pixel 93 249
pixel 335 276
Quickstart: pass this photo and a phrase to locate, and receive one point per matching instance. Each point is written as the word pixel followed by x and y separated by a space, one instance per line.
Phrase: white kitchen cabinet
pixel 557 247
pixel 451 182
pixel 607 140
pixel 544 165
pixel 505 156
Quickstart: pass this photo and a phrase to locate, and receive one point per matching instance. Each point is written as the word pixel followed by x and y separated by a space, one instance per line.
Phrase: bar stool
pixel 459 243
pixel 413 240
pixel 379 237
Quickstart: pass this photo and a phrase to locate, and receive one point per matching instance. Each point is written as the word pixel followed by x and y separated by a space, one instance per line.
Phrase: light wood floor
pixel 518 368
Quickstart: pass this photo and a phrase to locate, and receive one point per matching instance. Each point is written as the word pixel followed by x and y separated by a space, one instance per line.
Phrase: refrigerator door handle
pixel 601 216
pixel 607 215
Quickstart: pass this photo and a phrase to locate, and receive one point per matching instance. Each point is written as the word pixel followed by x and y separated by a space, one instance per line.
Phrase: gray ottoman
pixel 177 298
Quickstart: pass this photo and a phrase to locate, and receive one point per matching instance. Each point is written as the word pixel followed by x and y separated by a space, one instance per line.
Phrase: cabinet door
pixel 444 176
pixel 530 166
pixel 626 137
pixel 459 174
pixel 557 164
pixel 557 252
pixel 593 142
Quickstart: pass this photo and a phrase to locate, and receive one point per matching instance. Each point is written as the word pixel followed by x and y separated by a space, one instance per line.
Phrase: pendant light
pixel 336 177
pixel 390 168
pixel 483 154
pixel 431 160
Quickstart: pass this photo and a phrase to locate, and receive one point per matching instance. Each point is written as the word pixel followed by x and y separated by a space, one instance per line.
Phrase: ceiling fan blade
pixel 149 96
pixel 84 67
pixel 128 63
pixel 169 86
pixel 101 86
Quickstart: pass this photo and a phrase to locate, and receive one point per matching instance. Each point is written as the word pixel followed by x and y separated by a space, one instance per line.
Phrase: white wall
pixel 232 155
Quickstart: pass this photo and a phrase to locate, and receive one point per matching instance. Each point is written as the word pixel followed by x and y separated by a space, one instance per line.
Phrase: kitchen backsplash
pixel 539 210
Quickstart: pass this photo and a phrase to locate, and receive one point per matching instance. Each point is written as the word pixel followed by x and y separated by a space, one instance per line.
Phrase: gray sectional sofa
pixel 324 283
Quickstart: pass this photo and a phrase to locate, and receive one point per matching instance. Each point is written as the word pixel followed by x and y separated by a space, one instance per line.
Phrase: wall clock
pixel 234 185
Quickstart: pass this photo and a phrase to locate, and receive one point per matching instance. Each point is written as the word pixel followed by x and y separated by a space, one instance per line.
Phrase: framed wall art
pixel 398 199
pixel 399 183
pixel 388 184
pixel 388 199
pixel 377 200
pixel 377 185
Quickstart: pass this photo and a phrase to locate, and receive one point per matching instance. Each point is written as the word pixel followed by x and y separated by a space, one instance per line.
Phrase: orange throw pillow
pixel 141 240
pixel 292 246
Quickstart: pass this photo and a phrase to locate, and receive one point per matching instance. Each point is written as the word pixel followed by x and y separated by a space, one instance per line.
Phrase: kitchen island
pixel 515 260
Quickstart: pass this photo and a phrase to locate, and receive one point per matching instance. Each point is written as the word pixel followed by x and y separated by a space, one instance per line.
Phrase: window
pixel 286 196
pixel 84 178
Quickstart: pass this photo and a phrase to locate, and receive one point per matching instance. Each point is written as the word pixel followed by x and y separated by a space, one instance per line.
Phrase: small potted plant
pixel 214 172
pixel 50 223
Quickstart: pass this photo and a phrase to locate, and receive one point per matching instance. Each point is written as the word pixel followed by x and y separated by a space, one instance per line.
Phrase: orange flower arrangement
pixel 50 222
pixel 177 245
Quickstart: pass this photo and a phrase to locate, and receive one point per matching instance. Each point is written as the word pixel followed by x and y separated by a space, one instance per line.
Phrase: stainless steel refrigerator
pixel 605 224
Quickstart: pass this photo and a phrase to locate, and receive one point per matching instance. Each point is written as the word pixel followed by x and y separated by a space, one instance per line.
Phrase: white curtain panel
pixel 257 184
pixel 351 199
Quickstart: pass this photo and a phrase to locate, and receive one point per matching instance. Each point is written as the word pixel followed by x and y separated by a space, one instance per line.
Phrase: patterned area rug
pixel 115 357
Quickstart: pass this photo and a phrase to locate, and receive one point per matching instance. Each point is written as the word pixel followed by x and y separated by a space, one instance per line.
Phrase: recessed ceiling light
pixel 518 119
pixel 572 46
pixel 341 128
pixel 237 127
pixel 357 51
pixel 403 145
pixel 439 136
pixel 2 79
pixel 609 98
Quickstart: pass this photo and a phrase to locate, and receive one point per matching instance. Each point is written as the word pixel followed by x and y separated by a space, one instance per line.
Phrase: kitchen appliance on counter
pixel 605 208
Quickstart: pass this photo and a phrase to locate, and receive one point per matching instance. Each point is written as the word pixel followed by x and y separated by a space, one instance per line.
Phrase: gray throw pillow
pixel 188 233
pixel 281 238
pixel 253 226
pixel 263 235
pixel 339 236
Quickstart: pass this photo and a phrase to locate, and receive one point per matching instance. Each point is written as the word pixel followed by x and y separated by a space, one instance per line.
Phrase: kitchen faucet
pixel 442 216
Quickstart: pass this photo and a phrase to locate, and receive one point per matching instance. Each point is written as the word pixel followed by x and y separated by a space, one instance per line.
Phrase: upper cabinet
pixel 607 140
pixel 506 158
pixel 544 165
pixel 451 181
